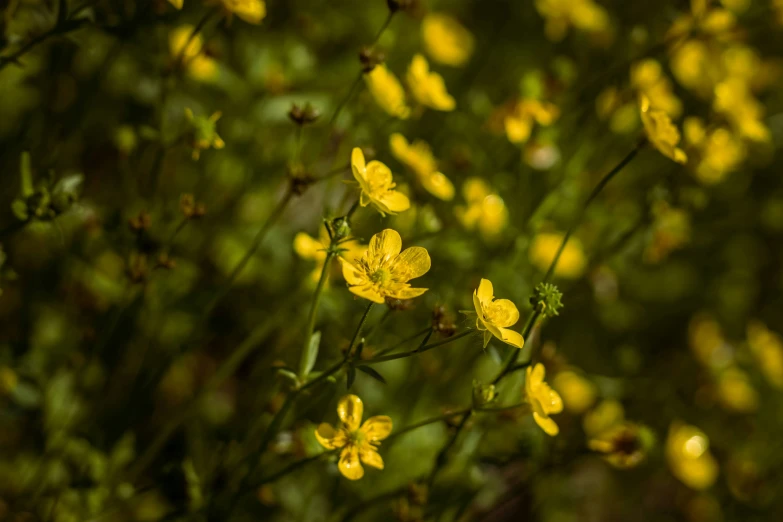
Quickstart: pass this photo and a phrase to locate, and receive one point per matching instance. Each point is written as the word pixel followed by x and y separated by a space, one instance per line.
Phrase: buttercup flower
pixel 387 91
pixel 623 445
pixel 584 15
pixel 375 181
pixel 384 272
pixel 308 247
pixel 661 132
pixel 648 79
pixel 418 157
pixel 446 40
pixel 358 442
pixel 485 210
pixel 544 247
pixel 204 132
pixel 199 66
pixel 543 399
pixel 428 87
pixel 687 451
pixel 527 112
pixel 495 316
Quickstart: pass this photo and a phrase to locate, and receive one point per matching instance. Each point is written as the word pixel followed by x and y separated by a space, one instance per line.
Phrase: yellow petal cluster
pixel 544 247
pixel 485 210
pixel 377 186
pixel 584 15
pixel 358 442
pixel 717 151
pixel 308 247
pixel 427 87
pixel 387 91
pixel 494 316
pixel 445 40
pixel 578 392
pixel 767 347
pixel 648 79
pixel 527 112
pixel 418 157
pixel 384 271
pixel 198 66
pixel 687 451
pixel 661 132
pixel 251 11
pixel 543 400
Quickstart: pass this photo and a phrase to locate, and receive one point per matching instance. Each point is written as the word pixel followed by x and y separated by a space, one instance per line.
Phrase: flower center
pixel 381 276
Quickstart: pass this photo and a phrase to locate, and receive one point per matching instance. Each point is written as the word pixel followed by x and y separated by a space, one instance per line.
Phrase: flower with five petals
pixel 495 316
pixel 375 181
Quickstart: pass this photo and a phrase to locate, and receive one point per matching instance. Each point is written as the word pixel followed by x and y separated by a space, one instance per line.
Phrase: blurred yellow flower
pixel 495 316
pixel 661 132
pixel 707 342
pixel 418 157
pixel 377 187
pixel 251 11
pixel 358 442
pixel 544 247
pixel 428 88
pixel 767 347
pixel 204 133
pixel 384 272
pixel 648 79
pixel 719 150
pixel 519 124
pixel 607 414
pixel 308 247
pixel 584 15
pixel 543 400
pixel 197 65
pixel 485 210
pixel 578 393
pixel 623 445
pixel 687 451
pixel 446 40
pixel 734 99
pixel 735 392
pixel 387 91
pixel 176 3
pixel 714 22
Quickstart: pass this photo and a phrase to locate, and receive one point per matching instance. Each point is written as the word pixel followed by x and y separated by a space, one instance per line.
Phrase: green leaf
pixel 351 377
pixel 372 373
pixel 310 355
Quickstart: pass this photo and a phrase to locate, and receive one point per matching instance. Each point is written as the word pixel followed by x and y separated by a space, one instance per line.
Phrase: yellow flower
pixel 578 393
pixel 623 445
pixel 428 87
pixel 204 132
pixel 251 11
pixel 358 442
pixel 199 66
pixel 720 151
pixel 606 415
pixel 387 91
pixel 584 15
pixel 544 247
pixel 661 132
pixel 687 451
pixel 446 40
pixel 527 112
pixel 375 181
pixel 734 99
pixel 308 247
pixel 176 3
pixel 767 346
pixel 707 342
pixel 418 156
pixel 384 272
pixel 485 210
pixel 543 399
pixel 648 79
pixel 735 392
pixel 495 316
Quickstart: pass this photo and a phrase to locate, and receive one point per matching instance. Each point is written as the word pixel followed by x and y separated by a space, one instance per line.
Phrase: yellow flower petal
pixel 378 174
pixel 367 292
pixel 413 262
pixel 446 40
pixel 351 274
pixel 330 438
pixel 485 292
pixel 547 424
pixel 370 456
pixel 512 337
pixel 349 464
pixel 504 313
pixel 377 428
pixel 395 202
pixel 385 245
pixel 408 293
pixel 251 11
pixel 535 375
pixel 307 247
pixel 350 410
pixel 438 185
pixel 176 3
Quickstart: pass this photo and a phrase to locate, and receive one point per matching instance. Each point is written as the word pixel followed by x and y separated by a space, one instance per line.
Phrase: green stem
pixel 514 354
pixel 404 341
pixel 383 28
pixel 441 459
pixel 345 100
pixel 421 349
pixel 359 330
pixel 332 173
pixel 314 310
pixel 290 468
pixel 427 422
pixel 594 194
pixel 60 29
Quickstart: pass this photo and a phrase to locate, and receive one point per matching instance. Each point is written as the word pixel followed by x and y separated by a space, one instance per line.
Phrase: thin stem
pixel 359 330
pixel 422 349
pixel 514 354
pixel 427 422
pixel 440 460
pixel 332 173
pixel 400 343
pixel 352 210
pixel 257 240
pixel 60 29
pixel 314 310
pixel 383 28
pixel 326 373
pixel 290 468
pixel 594 194
pixel 196 30
pixel 345 100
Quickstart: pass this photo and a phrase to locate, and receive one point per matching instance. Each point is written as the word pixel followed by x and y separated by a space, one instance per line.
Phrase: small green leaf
pixel 351 377
pixel 310 355
pixel 372 373
pixel 288 374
